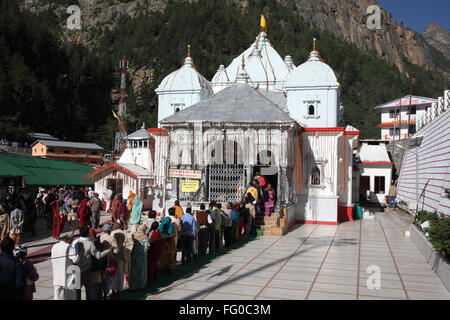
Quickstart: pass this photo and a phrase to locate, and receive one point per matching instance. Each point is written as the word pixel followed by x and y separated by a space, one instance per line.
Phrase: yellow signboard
pixel 189 185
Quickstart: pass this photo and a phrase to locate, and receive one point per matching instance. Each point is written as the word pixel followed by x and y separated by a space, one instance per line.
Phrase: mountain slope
pixel 438 37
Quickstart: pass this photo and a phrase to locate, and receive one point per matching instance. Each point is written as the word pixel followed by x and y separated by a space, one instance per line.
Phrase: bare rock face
pixel 348 20
pixel 438 37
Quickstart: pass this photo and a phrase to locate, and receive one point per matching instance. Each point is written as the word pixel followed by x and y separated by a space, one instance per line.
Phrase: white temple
pixel 259 114
pixel 263 107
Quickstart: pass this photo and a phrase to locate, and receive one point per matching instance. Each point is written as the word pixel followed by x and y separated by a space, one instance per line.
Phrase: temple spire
pixel 314 44
pixel 189 50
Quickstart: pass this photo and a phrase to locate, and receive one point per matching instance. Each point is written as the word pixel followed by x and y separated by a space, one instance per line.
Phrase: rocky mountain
pixel 348 19
pixel 438 37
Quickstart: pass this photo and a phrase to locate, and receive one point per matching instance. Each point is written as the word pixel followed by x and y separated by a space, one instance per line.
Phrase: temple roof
pixel 313 73
pixel 187 78
pixel 237 103
pixel 264 65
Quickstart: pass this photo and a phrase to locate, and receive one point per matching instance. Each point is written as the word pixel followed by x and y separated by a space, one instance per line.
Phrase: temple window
pixel 311 110
pixel 315 176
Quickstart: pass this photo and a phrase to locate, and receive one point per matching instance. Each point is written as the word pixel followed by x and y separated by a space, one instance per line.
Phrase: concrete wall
pixel 318 209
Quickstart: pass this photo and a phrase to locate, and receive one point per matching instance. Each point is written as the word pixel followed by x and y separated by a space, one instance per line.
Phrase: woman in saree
pixel 59 217
pixel 136 211
pixel 154 252
pixel 115 206
pixel 137 278
pixel 122 214
pixel 130 200
pixel 83 213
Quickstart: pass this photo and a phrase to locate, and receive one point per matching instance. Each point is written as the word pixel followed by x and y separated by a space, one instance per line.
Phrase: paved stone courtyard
pixel 310 262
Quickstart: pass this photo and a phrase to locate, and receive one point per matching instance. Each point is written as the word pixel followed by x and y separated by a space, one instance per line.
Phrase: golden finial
pixel 189 50
pixel 314 44
pixel 243 62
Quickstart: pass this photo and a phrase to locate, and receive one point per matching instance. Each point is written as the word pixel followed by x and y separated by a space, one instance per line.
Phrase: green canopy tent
pixel 44 172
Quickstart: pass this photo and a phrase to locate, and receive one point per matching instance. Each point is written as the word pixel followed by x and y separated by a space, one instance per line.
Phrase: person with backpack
pixel 203 224
pixel 12 279
pixel 29 272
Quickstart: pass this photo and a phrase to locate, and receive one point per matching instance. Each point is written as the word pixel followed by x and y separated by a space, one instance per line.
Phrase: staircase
pixel 269 224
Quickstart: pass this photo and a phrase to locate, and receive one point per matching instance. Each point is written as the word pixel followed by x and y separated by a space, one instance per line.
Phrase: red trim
pixel 337 129
pixel 156 130
pixel 352 133
pixel 345 213
pixel 114 165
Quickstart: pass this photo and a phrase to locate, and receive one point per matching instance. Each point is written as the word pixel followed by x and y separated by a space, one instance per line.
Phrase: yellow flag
pixel 114 114
pixel 263 23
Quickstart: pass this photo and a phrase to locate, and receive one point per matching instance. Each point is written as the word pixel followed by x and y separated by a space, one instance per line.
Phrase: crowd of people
pixel 128 250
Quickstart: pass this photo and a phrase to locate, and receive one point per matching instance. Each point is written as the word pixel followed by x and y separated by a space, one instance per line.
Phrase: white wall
pixel 379 170
pixel 317 208
pixel 298 100
pixel 139 156
pixel 166 101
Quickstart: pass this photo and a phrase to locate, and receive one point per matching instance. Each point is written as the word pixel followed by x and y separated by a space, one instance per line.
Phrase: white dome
pixel 312 73
pixel 221 77
pixel 263 64
pixel 187 78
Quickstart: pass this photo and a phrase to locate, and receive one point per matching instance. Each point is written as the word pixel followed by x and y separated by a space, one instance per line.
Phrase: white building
pixel 266 105
pixel 395 116
pixel 140 168
pixel 375 171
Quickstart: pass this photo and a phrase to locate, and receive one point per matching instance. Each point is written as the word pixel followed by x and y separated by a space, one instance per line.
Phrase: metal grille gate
pixel 226 182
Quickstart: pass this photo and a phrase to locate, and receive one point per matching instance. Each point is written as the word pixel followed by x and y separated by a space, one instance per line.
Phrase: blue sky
pixel 417 14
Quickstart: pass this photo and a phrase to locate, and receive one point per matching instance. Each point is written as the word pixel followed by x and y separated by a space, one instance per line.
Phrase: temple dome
pixel 221 77
pixel 313 73
pixel 187 78
pixel 263 64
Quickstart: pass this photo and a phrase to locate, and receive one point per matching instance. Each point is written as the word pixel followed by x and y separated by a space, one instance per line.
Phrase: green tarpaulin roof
pixel 44 172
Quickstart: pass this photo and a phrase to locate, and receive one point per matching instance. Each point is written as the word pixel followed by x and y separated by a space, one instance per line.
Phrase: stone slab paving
pixel 317 262
pixel 314 262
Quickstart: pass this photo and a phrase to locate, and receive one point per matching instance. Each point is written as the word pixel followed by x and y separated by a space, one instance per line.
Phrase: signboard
pixel 189 174
pixel 189 185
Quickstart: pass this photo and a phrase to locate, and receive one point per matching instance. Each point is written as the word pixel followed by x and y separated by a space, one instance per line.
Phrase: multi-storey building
pixel 395 116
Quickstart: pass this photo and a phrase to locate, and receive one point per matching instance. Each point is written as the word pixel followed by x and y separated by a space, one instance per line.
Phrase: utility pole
pixel 410 97
pixel 122 110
